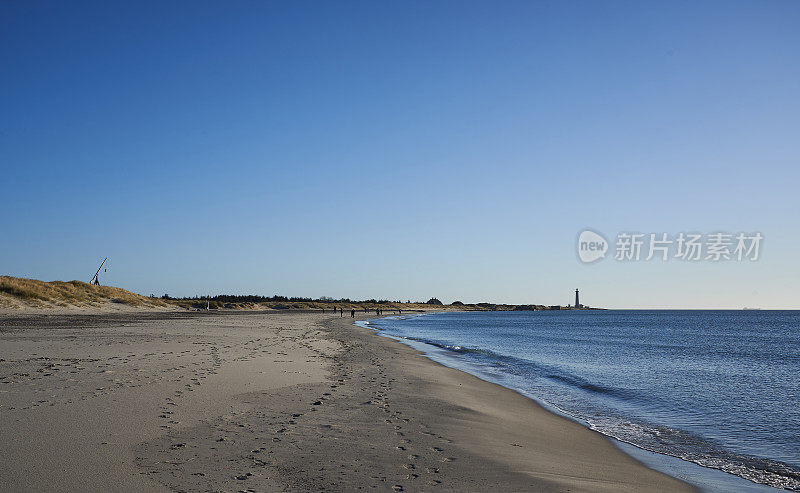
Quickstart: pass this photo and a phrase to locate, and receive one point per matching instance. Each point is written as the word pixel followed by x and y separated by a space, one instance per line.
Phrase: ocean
pixel 720 389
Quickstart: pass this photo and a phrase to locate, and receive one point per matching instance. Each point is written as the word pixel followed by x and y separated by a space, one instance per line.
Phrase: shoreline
pixel 703 478
pixel 596 476
pixel 274 401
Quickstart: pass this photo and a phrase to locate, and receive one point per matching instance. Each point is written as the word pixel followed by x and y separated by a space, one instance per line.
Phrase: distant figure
pixel 365 309
pixel 399 312
pixel 323 310
pixel 341 313
pixel 352 314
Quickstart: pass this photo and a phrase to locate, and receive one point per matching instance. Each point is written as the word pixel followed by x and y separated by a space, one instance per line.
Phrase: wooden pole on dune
pixel 95 280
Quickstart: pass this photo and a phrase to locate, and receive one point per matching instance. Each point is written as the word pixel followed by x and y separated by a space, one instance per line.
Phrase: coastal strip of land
pixel 272 401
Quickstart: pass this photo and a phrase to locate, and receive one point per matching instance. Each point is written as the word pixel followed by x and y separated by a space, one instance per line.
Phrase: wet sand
pixel 249 401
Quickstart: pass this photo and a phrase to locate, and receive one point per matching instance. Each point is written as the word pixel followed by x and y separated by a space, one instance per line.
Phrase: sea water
pixel 717 388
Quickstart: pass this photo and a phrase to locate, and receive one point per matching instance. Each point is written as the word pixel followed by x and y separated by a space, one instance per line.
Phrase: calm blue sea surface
pixel 718 388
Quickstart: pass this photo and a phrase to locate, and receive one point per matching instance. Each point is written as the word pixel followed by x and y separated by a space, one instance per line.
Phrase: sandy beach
pixel 253 401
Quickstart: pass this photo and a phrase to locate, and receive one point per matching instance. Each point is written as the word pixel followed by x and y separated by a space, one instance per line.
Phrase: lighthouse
pixel 577 299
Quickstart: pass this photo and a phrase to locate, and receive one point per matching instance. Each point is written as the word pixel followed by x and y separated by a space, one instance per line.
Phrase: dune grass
pixel 35 293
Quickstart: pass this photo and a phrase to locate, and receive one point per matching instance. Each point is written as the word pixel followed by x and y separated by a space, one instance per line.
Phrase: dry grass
pixel 41 294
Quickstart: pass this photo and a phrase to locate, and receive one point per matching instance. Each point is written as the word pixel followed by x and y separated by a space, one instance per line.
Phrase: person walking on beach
pixel 352 314
pixel 341 313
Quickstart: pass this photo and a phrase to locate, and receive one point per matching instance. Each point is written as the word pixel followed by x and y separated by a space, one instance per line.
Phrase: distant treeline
pixel 297 302
pixel 253 298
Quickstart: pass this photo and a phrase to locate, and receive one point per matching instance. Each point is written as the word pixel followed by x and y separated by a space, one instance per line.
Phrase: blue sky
pixel 400 150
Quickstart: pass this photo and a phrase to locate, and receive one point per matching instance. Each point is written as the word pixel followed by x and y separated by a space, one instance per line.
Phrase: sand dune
pixel 31 295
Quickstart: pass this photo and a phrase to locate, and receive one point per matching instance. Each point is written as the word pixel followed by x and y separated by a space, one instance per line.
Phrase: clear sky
pixel 400 150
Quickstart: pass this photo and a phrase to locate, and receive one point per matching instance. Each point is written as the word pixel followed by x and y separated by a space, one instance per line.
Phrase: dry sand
pixel 247 401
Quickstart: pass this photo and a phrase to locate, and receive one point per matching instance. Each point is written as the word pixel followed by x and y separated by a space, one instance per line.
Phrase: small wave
pixel 591 387
pixel 456 348
pixel 521 366
pixel 706 453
